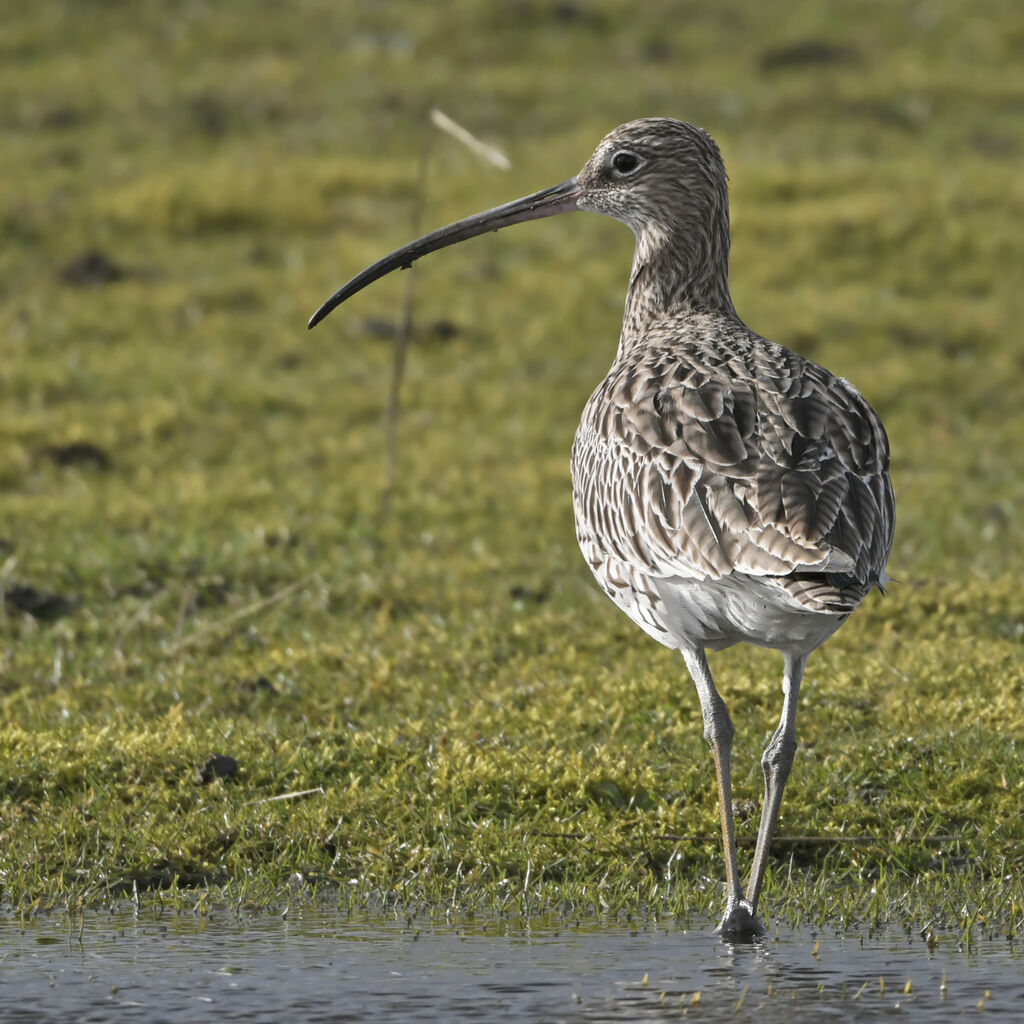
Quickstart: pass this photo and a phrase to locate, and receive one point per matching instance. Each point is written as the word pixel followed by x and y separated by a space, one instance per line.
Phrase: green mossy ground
pixel 483 728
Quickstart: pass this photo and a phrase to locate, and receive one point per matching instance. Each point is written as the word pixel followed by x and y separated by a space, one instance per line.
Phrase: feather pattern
pixel 710 459
pixel 708 451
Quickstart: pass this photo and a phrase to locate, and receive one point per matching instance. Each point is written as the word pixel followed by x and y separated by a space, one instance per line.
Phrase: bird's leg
pixel 776 761
pixel 739 919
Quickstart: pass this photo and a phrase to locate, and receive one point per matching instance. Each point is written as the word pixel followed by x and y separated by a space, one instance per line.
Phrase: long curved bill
pixel 546 203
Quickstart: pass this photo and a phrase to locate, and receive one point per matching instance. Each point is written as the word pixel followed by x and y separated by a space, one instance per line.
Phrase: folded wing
pixel 698 463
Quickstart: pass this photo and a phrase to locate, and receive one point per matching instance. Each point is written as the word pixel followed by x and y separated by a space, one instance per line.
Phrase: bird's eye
pixel 625 162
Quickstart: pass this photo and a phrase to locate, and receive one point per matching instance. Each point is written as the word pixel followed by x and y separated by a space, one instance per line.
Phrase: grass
pixel 200 480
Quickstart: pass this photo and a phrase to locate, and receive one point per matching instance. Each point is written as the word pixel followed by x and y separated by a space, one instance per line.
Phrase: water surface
pixel 318 964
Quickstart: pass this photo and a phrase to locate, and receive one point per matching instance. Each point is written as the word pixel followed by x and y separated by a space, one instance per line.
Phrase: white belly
pixel 715 614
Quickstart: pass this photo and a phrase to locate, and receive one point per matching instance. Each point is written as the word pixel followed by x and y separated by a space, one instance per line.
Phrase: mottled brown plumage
pixel 725 489
pixel 708 450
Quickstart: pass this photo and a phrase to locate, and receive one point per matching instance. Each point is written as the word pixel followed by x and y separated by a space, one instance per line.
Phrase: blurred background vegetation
pixel 191 550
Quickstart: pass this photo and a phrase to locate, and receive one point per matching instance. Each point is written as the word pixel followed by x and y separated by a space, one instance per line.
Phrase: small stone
pixel 40 605
pixel 91 267
pixel 216 766
pixel 78 453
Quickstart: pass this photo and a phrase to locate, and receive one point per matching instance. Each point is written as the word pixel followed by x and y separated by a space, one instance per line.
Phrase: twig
pixel 8 567
pixel 402 338
pixel 242 613
pixel 287 796
pixel 188 595
pixel 493 156
pixel 776 840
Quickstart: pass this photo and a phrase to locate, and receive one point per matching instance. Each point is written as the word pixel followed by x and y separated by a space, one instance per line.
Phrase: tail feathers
pixel 835 592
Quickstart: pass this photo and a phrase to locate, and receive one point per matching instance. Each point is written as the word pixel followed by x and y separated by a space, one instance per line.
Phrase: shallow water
pixel 319 964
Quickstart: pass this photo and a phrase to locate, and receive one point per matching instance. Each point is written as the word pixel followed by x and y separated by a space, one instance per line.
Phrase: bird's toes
pixel 740 923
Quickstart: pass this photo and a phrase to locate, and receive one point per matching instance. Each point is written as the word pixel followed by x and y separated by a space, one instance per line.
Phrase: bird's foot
pixel 740 923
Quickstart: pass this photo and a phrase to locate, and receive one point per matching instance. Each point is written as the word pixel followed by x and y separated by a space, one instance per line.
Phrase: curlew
pixel 726 490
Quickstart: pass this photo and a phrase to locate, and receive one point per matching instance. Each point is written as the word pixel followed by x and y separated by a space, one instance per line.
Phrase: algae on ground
pixel 201 479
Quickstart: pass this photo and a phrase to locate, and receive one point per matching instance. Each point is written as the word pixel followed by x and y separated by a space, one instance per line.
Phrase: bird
pixel 725 488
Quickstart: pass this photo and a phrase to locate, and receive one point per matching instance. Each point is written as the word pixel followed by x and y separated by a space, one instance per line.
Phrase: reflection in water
pixel 321 964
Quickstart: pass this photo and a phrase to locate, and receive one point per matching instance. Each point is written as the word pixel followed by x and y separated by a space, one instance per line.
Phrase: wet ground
pixel 319 965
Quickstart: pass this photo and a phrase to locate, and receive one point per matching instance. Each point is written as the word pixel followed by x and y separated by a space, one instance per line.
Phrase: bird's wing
pixel 755 460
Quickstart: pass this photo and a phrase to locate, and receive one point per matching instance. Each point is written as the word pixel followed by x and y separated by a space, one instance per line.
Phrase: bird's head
pixel 656 175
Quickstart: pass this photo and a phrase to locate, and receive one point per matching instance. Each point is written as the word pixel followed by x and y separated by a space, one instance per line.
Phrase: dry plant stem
pixel 296 795
pixel 213 628
pixel 402 338
pixel 880 841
